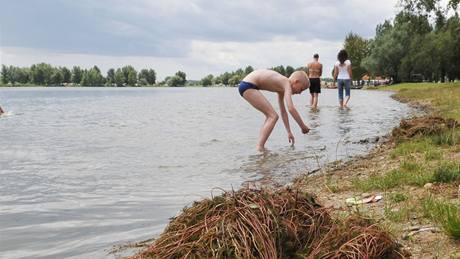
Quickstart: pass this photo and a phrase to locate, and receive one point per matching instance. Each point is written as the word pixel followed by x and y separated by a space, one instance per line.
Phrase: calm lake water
pixel 83 169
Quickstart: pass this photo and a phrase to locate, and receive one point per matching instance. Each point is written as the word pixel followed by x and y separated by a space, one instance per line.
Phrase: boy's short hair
pixel 302 77
pixel 316 56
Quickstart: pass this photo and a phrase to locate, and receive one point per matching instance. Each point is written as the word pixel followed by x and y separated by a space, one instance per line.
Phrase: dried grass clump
pixel 423 126
pixel 356 237
pixel 269 224
pixel 244 224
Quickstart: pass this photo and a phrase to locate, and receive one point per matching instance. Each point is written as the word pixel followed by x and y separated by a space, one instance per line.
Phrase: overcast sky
pixel 198 37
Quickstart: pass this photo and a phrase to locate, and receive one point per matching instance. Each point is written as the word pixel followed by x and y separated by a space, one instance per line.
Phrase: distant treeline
pixel 233 78
pixel 421 43
pixel 47 75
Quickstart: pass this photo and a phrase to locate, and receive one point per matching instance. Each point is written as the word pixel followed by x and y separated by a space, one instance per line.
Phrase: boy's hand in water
pixel 291 138
pixel 305 129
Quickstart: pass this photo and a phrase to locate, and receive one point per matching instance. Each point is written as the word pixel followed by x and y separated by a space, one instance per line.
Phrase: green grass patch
pixel 406 148
pixel 444 213
pixel 444 97
pixel 449 138
pixel 433 154
pixel 409 173
pixel 401 214
pixel 398 197
pixel 447 173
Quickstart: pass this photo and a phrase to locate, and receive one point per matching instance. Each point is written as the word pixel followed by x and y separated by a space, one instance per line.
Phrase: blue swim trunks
pixel 245 86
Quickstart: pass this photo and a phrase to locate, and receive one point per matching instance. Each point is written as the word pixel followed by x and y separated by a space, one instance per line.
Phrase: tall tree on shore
pixel 57 78
pixel 5 75
pixel 147 77
pixel 152 77
pixel 357 48
pixel 289 71
pixel 119 78
pixel 248 70
pixel 77 74
pixel 280 69
pixel 41 74
pixel 111 76
pixel 66 75
pixel 207 80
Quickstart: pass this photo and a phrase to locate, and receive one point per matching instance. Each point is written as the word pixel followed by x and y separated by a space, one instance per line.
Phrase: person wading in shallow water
pixel 271 81
pixel 343 76
pixel 315 71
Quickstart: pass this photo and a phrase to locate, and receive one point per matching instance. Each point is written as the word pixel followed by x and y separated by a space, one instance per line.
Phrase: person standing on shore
pixel 343 75
pixel 315 71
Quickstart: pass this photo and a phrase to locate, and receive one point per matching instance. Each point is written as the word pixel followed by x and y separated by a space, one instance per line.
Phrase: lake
pixel 83 169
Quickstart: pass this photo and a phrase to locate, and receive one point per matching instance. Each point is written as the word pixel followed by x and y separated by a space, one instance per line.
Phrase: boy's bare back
pixel 268 80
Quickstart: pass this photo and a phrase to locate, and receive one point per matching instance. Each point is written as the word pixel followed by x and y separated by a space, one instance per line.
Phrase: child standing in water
pixel 272 81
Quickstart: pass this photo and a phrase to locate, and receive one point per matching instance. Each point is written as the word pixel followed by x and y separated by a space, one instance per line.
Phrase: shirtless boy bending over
pixel 272 81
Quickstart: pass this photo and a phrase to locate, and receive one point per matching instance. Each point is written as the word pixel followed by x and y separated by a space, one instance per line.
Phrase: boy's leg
pixel 312 99
pixel 256 99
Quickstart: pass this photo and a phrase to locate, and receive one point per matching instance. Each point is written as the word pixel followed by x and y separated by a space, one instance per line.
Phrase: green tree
pixel 207 80
pixel 66 75
pixel 77 74
pixel 248 70
pixel 132 77
pixel 22 75
pixel 57 78
pixel 143 77
pixel 111 76
pixel 235 79
pixel 152 77
pixel 289 71
pixel 175 81
pixel 41 74
pixel 119 78
pixel 280 69
pixel 357 48
pixel 388 49
pixel 179 80
pixel 5 75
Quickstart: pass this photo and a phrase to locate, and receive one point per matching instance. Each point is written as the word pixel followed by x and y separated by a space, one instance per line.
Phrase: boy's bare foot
pixel 260 148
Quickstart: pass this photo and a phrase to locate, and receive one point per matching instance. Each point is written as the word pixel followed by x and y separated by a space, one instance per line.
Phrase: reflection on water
pixel 82 169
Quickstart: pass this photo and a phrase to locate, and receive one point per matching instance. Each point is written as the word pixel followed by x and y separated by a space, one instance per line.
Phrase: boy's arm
pixel 321 70
pixel 283 112
pixel 285 118
pixel 292 110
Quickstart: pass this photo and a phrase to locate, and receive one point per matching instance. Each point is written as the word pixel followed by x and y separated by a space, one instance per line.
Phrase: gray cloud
pixel 166 28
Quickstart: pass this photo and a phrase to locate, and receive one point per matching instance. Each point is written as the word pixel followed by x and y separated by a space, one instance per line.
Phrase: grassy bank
pixel 418 176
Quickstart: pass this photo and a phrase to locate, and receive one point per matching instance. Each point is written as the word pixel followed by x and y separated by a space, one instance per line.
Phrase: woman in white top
pixel 343 76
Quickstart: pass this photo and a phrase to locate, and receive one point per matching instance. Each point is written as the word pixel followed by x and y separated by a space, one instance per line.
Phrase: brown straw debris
pixel 266 223
pixel 423 126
